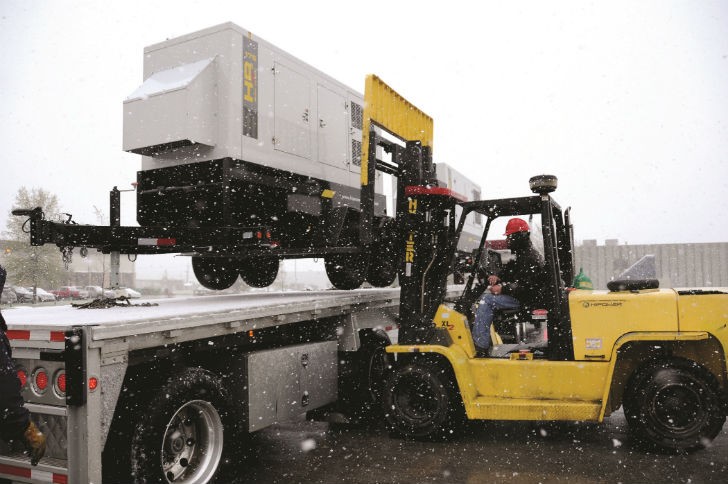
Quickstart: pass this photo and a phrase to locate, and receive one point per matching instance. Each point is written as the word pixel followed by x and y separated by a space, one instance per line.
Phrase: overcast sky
pixel 626 102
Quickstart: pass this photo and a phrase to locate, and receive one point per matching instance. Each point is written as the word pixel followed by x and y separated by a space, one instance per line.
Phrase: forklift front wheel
pixel 420 401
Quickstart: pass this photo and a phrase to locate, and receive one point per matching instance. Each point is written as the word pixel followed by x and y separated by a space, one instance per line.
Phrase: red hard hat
pixel 516 225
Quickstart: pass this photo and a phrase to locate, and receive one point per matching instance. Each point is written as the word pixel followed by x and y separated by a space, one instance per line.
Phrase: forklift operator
pixel 518 285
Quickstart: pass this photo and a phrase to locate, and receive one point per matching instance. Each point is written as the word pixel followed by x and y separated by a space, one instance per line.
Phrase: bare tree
pixel 28 265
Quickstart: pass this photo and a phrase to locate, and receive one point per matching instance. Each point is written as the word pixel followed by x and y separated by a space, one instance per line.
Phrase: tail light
pixel 59 383
pixel 39 380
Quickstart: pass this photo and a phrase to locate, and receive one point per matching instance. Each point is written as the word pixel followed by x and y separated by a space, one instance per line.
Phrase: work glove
pixel 35 443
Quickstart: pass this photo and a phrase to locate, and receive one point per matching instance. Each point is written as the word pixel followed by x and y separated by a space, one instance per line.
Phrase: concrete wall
pixel 678 265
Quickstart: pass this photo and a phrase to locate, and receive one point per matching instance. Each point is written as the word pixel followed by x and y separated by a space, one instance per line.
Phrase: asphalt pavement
pixel 487 452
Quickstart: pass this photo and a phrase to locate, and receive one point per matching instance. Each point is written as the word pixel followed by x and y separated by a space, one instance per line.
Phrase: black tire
pixel 362 375
pixel 187 431
pixel 260 272
pixel 383 264
pixel 216 273
pixel 673 406
pixel 420 401
pixel 346 271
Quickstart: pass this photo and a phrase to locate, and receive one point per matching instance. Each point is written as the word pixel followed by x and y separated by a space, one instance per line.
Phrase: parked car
pixel 44 295
pixel 23 294
pixel 8 296
pixel 98 291
pixel 70 292
pixel 95 291
pixel 127 292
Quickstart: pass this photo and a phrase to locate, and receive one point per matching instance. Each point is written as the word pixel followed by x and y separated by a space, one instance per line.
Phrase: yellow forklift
pixel 659 353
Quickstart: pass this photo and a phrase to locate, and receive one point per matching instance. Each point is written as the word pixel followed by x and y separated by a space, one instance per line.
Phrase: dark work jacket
pixel 14 417
pixel 524 277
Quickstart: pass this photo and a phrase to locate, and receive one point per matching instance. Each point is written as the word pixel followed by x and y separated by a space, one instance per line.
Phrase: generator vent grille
pixel 356 152
pixel 357 116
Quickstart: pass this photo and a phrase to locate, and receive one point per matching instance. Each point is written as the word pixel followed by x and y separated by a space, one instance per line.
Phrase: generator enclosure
pixel 224 94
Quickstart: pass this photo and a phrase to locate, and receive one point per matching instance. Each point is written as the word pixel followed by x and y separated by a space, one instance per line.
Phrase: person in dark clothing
pixel 519 284
pixel 15 423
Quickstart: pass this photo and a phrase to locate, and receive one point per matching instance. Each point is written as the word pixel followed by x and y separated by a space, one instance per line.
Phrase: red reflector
pixel 61 382
pixel 93 383
pixel 259 234
pixel 22 377
pixel 60 479
pixel 14 471
pixel 41 380
pixel 166 241
pixel 267 235
pixel 58 336
pixel 18 334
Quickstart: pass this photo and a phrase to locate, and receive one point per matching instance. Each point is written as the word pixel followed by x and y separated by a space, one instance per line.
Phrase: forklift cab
pixel 555 240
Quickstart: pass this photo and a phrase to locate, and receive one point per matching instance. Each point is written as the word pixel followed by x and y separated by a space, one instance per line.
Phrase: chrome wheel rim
pixel 192 444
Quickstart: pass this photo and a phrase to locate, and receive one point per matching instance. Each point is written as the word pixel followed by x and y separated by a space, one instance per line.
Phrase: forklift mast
pixel 425 212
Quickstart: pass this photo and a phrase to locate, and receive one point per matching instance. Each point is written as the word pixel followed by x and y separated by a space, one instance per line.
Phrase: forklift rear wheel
pixel 180 439
pixel 259 272
pixel 216 273
pixel 673 406
pixel 420 402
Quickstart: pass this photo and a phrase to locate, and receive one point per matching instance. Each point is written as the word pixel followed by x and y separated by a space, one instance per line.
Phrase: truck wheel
pixel 185 433
pixel 420 401
pixel 383 264
pixel 673 406
pixel 259 272
pixel 216 273
pixel 346 271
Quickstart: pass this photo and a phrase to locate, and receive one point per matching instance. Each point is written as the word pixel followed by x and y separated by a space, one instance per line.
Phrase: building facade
pixel 678 265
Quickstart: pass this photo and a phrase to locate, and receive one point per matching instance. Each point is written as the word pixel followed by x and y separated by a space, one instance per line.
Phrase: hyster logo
pixel 601 304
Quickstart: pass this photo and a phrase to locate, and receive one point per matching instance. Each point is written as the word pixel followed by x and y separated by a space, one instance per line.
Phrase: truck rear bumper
pixel 17 468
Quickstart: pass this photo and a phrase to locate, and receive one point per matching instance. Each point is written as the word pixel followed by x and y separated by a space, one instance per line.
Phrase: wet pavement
pixel 514 452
